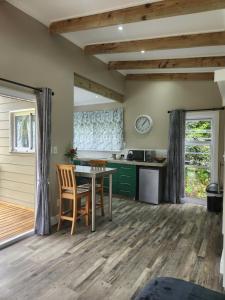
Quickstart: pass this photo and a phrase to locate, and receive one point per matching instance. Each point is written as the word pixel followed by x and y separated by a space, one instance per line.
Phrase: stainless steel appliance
pixel 130 155
pixel 149 185
pixel 138 155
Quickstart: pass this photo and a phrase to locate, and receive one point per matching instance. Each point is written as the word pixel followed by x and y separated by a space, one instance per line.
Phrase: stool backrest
pixel 66 177
pixel 98 163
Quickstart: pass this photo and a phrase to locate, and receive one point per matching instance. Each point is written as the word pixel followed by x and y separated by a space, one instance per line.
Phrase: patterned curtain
pixel 99 130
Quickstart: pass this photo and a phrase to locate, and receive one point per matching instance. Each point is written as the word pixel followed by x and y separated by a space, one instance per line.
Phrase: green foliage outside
pixel 197 158
pixel 196 181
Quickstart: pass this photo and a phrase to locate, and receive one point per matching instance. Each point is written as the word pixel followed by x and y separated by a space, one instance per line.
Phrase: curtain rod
pixel 23 85
pixel 204 109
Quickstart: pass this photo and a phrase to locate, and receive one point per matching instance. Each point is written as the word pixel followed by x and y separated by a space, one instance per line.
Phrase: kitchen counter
pixel 129 162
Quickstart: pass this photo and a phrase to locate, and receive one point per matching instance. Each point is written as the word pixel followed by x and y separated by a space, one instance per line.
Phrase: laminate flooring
pixel 141 243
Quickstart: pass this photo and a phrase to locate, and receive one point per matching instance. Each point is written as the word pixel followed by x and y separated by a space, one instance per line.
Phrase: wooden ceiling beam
pixel 162 43
pixel 149 11
pixel 97 88
pixel 196 62
pixel 171 76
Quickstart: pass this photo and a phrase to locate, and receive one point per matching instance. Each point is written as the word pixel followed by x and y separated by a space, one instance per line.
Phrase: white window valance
pixel 99 130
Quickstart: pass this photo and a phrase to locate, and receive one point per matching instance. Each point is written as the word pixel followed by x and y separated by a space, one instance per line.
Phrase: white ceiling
pixel 47 11
pixel 194 23
pixel 84 97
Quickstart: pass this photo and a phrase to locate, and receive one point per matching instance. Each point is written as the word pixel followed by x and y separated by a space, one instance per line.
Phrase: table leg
pixel 110 197
pixel 93 204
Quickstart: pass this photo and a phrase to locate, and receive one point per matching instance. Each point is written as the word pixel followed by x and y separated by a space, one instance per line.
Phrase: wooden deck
pixel 14 220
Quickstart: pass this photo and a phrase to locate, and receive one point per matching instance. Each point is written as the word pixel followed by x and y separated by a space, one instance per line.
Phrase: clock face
pixel 143 124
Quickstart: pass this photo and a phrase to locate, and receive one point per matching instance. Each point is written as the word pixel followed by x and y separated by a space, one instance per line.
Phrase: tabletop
pixel 87 171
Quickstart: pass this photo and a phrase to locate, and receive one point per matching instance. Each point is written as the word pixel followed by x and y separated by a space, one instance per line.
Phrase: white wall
pixel 156 98
pixel 30 54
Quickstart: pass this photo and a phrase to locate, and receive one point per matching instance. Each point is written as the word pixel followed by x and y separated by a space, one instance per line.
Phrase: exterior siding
pixel 17 170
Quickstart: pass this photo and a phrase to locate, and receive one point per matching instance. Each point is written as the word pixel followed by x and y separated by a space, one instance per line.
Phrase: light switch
pixel 55 150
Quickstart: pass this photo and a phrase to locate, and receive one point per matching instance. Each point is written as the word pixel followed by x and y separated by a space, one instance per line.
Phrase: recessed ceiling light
pixel 120 27
pixel 96 96
pixel 142 51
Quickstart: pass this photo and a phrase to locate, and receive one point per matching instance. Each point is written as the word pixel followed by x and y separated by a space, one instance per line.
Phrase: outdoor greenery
pixel 196 181
pixel 197 157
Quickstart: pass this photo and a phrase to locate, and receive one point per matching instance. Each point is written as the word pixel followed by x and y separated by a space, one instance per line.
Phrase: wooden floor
pixel 14 220
pixel 142 242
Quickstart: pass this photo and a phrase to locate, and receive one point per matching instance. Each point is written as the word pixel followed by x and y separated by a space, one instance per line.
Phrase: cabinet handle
pixel 124 183
pixel 126 176
pixel 126 168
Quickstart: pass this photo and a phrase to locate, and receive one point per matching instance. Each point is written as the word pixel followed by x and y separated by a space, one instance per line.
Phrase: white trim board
pixel 12 93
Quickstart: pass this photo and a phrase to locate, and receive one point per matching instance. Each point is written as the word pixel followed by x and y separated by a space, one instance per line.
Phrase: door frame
pixel 29 97
pixel 214 116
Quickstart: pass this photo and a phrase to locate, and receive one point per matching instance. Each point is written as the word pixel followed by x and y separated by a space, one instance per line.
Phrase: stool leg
pixel 60 214
pixel 74 216
pixel 102 201
pixel 87 210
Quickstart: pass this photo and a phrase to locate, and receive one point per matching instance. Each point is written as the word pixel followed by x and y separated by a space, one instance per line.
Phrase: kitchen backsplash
pixel 108 154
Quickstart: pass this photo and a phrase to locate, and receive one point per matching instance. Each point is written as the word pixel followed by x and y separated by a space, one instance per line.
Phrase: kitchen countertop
pixel 128 162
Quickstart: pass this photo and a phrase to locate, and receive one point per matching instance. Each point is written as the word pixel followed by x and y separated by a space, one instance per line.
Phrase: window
pixel 99 130
pixel 23 130
pixel 201 153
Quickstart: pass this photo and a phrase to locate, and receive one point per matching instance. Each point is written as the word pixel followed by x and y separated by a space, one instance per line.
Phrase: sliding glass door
pixel 201 153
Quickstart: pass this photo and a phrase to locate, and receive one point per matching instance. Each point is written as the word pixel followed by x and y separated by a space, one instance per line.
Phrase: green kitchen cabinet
pixel 76 162
pixel 124 180
pixel 127 180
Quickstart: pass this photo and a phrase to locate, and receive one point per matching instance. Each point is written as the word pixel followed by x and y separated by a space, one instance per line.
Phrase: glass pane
pixel 198 145
pixel 198 155
pixel 22 129
pixel 33 131
pixel 198 131
pixel 196 180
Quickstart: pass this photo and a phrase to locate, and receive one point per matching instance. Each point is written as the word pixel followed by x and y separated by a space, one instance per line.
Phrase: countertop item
pixel 130 162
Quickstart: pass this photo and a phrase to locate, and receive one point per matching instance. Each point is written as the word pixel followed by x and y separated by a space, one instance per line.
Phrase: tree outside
pixel 198 137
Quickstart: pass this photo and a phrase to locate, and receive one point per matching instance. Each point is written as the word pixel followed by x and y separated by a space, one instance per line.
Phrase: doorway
pixel 17 164
pixel 201 154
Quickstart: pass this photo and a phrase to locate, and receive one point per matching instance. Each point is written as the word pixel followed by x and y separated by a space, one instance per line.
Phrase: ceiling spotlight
pixel 96 96
pixel 120 27
pixel 142 51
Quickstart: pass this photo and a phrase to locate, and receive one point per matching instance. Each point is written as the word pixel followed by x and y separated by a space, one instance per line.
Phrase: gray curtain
pixel 44 99
pixel 175 166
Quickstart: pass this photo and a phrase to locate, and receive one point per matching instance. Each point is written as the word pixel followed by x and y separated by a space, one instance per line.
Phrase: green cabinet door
pixel 127 180
pixel 124 180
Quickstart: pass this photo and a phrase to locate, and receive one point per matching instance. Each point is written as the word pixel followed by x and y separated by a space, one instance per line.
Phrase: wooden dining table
pixel 94 173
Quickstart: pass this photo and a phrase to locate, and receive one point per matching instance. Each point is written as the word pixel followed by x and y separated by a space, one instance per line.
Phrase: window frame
pixel 12 115
pixel 214 117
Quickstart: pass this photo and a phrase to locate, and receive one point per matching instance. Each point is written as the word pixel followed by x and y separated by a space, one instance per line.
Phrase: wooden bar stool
pixel 100 183
pixel 68 190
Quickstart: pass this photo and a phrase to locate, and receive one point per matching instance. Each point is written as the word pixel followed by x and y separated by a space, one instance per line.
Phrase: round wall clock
pixel 143 124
